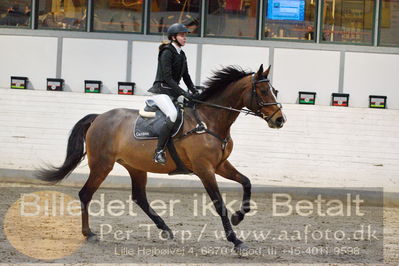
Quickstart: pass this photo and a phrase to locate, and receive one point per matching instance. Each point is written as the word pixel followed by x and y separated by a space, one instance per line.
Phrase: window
pixel 389 23
pixel 290 19
pixel 118 15
pixel 15 13
pixel 62 14
pixel 166 12
pixel 348 21
pixel 231 18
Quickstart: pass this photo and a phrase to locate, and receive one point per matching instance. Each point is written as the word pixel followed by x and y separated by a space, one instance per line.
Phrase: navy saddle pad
pixel 149 128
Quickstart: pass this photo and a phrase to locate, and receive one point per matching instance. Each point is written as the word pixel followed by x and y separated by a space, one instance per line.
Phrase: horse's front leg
pixel 227 170
pixel 208 179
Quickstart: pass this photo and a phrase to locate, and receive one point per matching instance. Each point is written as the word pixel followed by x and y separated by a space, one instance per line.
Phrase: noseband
pixel 260 103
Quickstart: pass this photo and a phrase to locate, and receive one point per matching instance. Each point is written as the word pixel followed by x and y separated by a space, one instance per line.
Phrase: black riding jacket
pixel 172 66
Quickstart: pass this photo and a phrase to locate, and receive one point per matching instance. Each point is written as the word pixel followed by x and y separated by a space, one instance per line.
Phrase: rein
pixel 246 111
pixel 201 126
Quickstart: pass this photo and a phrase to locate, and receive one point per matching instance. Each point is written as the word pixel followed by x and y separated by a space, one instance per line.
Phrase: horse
pixel 109 139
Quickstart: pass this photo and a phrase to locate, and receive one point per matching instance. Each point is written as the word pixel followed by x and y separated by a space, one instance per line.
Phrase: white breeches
pixel 166 105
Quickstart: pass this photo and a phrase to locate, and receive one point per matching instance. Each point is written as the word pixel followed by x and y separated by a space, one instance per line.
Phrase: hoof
pixel 91 237
pixel 236 218
pixel 167 234
pixel 241 249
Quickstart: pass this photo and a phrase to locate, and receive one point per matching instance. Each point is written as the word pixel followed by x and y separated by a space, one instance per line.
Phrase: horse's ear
pixel 260 72
pixel 266 73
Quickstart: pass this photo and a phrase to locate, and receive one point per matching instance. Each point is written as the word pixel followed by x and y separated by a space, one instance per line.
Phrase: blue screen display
pixel 286 10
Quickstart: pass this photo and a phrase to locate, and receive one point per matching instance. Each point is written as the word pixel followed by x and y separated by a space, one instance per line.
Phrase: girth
pixel 202 128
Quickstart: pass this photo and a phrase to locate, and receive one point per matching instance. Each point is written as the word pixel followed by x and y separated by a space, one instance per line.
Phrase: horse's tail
pixel 75 152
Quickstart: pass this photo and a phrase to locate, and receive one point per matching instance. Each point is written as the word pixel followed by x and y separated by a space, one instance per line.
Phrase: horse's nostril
pixel 280 120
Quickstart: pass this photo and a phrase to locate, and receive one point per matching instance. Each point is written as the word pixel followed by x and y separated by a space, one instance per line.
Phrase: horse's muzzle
pixel 276 123
pixel 280 121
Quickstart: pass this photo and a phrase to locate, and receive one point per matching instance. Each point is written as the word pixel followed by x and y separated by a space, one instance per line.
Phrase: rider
pixel 172 66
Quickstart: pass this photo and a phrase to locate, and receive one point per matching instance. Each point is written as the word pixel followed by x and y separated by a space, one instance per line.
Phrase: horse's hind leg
pixel 98 172
pixel 139 195
pixel 228 171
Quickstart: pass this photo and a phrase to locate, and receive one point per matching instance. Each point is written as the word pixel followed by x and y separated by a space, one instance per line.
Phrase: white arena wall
pixel 319 145
pixel 296 70
pixel 216 56
pixel 375 74
pixel 92 60
pixel 33 57
pixel 293 69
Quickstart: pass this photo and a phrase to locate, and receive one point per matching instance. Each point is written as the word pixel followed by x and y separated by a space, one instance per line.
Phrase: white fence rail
pixel 319 145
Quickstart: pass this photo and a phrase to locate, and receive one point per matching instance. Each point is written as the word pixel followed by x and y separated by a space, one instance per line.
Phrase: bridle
pixel 258 100
pixel 260 103
pixel 201 126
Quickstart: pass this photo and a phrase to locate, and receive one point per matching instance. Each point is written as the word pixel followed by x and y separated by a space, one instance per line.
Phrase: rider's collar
pixel 178 48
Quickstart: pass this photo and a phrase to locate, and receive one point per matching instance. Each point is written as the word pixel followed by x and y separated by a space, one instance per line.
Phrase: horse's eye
pixel 276 92
pixel 264 92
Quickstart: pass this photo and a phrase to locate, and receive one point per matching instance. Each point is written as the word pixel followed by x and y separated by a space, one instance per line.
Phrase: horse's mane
pixel 221 79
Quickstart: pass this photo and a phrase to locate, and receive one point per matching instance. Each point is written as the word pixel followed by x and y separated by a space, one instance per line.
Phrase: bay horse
pixel 109 139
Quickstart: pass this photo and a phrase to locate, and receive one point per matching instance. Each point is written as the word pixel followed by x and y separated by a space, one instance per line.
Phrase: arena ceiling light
pixel 19 82
pixel 126 88
pixel 55 84
pixel 340 99
pixel 93 86
pixel 306 97
pixel 377 101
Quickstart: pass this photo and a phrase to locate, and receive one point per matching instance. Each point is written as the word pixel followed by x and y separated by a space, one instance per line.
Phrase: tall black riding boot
pixel 164 135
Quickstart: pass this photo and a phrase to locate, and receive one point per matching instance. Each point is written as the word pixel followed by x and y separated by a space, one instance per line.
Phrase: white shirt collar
pixel 178 49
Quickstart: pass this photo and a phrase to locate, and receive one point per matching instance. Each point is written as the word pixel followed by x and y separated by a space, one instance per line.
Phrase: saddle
pixel 150 121
pixel 148 126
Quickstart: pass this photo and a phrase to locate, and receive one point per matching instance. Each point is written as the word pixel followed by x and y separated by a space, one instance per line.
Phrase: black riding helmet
pixel 176 28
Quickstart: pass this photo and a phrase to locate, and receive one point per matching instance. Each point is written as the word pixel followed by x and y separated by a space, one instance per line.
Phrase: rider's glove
pixel 196 94
pixel 187 95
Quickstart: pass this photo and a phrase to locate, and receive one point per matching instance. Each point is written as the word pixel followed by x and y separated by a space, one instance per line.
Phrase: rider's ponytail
pixel 163 44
